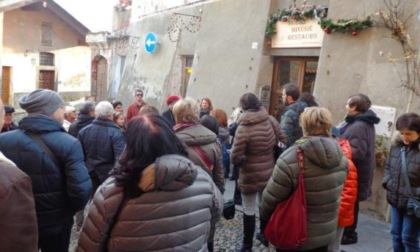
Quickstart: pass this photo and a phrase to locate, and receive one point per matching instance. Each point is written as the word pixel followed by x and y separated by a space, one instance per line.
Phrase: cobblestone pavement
pixel 228 234
pixel 373 234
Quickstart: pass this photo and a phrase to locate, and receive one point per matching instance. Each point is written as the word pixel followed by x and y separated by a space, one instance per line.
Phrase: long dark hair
pixel 148 137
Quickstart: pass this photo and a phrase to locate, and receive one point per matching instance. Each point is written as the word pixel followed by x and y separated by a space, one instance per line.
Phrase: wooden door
pixel 47 79
pixel 300 71
pixel 5 87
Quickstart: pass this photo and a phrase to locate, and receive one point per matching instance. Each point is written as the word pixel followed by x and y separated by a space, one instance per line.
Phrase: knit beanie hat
pixel 172 98
pixel 41 101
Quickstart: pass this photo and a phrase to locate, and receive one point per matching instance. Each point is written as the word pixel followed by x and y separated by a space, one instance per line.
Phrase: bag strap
pixel 44 147
pixel 405 173
pixel 202 154
pixel 300 159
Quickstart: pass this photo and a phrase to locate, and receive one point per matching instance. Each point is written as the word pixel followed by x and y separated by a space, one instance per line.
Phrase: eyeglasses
pixel 139 94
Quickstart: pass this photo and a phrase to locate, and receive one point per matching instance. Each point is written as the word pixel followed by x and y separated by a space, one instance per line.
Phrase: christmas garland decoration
pixel 307 12
pixel 352 26
pixel 295 14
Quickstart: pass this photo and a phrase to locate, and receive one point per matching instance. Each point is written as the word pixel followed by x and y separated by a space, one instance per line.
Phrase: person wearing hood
pixel 202 146
pixel 17 206
pixel 359 130
pixel 156 198
pixel 252 150
pixel 405 229
pixel 60 181
pixel 325 170
pixel 85 117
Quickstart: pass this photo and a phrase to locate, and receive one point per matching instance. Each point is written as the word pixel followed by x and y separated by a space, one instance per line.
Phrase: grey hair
pixel 104 109
pixel 186 111
pixel 87 107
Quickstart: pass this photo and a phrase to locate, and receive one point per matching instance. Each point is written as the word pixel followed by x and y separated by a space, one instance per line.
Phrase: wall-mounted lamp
pixel 44 3
pixel 28 51
pixel 33 61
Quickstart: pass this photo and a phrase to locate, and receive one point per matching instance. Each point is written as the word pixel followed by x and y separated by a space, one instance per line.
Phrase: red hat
pixel 172 98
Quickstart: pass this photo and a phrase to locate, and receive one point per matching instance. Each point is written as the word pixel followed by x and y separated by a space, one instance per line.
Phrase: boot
pixel 210 246
pixel 260 236
pixel 249 229
pixel 237 195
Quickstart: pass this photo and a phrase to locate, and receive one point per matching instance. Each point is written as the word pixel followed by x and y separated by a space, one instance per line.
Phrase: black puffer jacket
pixel 360 132
pixel 59 192
pixel 393 180
pixel 81 122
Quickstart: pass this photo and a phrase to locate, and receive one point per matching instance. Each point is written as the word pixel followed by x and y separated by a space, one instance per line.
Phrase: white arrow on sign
pixel 150 42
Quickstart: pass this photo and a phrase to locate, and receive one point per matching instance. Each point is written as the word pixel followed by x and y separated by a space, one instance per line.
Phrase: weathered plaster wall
pixel 225 64
pixel 350 65
pixel 22 36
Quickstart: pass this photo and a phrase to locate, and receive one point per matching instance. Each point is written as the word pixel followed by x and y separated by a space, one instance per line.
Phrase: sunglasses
pixel 139 94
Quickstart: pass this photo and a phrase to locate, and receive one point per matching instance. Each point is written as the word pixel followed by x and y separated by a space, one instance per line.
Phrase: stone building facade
pixel 218 49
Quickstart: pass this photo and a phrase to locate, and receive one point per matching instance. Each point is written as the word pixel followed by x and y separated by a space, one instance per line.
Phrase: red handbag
pixel 286 228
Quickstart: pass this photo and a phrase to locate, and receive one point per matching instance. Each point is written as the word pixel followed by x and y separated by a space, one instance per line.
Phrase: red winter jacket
pixel 349 194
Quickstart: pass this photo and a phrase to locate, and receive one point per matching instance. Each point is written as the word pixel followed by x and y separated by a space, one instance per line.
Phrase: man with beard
pixel 290 120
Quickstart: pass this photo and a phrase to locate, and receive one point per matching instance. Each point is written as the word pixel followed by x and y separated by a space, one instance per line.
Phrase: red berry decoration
pixel 327 30
pixel 354 33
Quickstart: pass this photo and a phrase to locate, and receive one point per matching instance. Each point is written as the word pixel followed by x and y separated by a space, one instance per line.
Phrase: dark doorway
pixel 301 71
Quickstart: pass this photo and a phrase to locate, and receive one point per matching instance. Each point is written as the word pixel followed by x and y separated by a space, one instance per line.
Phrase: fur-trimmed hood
pixel 396 140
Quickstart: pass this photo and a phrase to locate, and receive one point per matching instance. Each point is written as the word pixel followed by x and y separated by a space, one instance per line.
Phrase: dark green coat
pixel 325 170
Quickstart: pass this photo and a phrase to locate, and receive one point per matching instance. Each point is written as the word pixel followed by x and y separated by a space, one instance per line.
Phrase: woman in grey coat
pixel 325 170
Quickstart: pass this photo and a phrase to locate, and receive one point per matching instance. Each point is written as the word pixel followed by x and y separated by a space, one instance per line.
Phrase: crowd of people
pixel 142 180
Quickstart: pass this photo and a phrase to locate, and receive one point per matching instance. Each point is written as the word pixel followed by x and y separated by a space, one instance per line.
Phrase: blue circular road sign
pixel 150 42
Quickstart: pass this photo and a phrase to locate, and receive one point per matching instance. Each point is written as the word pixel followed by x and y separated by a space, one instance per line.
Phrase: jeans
pixel 405 231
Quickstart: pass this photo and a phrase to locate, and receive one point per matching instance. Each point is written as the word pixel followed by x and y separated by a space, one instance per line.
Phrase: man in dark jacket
pixel 85 117
pixel 60 183
pixel 102 143
pixel 17 207
pixel 359 130
pixel 290 120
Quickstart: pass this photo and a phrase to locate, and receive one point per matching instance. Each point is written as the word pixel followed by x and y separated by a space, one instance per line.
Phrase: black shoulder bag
pixel 413 204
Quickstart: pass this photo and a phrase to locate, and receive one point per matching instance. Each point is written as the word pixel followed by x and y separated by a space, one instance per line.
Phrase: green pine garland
pixel 302 14
pixel 345 25
pixel 307 12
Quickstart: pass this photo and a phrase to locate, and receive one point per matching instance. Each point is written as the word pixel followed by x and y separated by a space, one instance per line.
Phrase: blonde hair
pixel 186 111
pixel 316 121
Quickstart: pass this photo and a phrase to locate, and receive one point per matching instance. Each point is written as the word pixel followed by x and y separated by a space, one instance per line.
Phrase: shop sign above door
pixel 298 35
